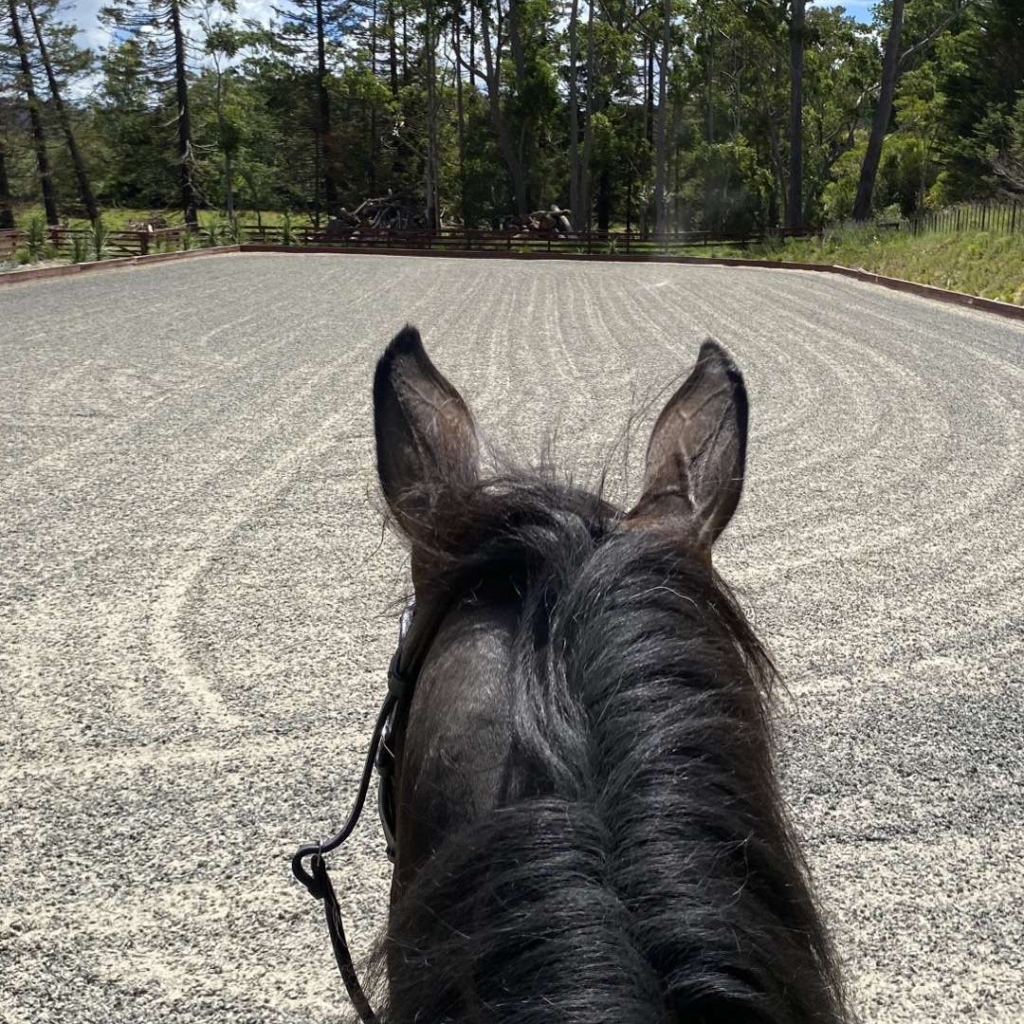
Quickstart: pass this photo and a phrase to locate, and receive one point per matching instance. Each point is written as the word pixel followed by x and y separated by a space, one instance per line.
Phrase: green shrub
pixel 99 239
pixel 35 238
pixel 79 248
pixel 725 189
pixel 234 233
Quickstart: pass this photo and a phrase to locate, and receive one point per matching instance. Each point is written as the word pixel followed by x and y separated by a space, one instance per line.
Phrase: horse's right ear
pixel 697 453
pixel 426 439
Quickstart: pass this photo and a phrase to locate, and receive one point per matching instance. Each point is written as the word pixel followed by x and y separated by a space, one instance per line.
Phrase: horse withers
pixel 587 825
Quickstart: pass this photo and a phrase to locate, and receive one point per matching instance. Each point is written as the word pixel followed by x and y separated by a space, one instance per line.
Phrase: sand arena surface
pixel 196 609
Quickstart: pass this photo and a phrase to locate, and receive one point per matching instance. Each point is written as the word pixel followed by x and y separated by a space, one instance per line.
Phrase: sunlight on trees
pixel 725 115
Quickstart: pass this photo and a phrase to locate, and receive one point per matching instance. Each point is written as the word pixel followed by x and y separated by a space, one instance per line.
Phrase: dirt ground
pixel 196 604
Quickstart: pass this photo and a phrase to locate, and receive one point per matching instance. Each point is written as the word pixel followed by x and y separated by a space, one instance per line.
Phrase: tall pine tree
pixel 163 23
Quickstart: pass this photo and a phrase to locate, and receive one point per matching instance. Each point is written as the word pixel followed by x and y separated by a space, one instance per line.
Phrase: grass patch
pixel 118 218
pixel 976 262
pixel 980 263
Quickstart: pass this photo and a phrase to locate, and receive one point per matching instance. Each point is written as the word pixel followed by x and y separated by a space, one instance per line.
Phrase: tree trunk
pixel 472 44
pixel 38 131
pixel 188 192
pixel 515 41
pixel 324 114
pixel 460 112
pixel 317 177
pixel 779 191
pixel 677 123
pixel 373 39
pixel 373 105
pixel 229 187
pixel 629 199
pixel 588 133
pixel 660 211
pixel 709 75
pixel 392 48
pixel 405 44
pixel 84 189
pixel 869 169
pixel 6 206
pixel 795 219
pixel 736 68
pixel 574 113
pixel 604 200
pixel 649 94
pixel 431 42
pixel 492 64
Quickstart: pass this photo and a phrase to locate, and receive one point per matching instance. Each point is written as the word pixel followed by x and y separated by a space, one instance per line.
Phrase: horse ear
pixel 697 453
pixel 426 439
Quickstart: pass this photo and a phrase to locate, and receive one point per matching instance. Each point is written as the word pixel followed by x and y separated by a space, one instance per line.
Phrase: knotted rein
pixel 402 674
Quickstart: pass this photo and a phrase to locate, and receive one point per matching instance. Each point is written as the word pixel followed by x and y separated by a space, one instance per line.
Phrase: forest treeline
pixel 732 115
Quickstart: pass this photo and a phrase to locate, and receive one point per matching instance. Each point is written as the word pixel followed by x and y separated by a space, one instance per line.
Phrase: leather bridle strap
pixel 327 845
pixel 339 943
pixel 402 675
pixel 318 881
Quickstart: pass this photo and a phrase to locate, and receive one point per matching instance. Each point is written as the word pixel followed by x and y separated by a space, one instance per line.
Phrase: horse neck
pixel 632 859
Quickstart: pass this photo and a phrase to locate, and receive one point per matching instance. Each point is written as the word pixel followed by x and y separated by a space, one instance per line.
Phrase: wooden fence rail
pixel 141 243
pixel 999 218
pixel 1002 218
pixel 470 240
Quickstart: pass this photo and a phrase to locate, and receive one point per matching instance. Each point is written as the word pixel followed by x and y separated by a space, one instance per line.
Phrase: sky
pixel 85 14
pixel 859 9
pixel 91 34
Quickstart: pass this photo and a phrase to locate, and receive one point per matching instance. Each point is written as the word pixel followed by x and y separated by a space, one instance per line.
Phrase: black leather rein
pixel 401 678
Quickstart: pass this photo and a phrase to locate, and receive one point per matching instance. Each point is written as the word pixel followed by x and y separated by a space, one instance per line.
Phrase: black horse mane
pixel 640 866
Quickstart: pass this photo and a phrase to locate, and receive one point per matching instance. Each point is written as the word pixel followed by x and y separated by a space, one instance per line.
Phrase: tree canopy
pixel 731 115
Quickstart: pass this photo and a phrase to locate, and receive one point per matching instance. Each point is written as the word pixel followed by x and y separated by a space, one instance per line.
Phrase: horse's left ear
pixel 426 439
pixel 697 453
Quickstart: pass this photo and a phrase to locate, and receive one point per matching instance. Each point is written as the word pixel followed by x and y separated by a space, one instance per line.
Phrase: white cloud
pixel 85 16
pixel 258 10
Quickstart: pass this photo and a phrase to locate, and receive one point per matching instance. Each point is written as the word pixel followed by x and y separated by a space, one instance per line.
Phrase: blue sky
pixel 84 14
pixel 859 9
